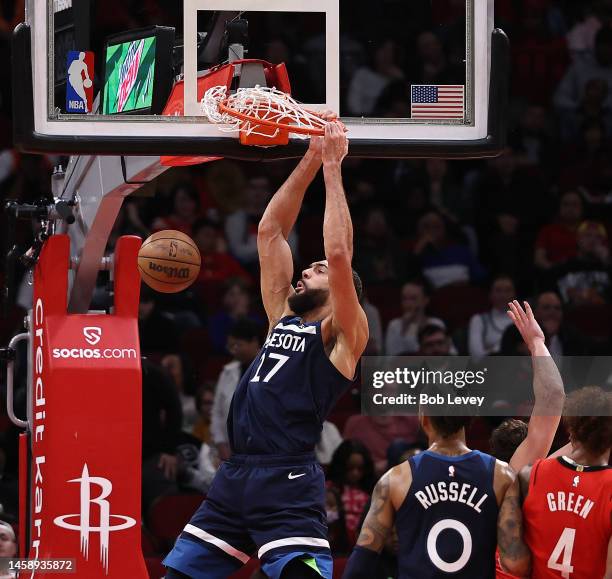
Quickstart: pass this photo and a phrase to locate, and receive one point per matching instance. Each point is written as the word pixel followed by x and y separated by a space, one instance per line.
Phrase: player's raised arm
pixel 275 259
pixel 362 563
pixel 547 388
pixel 513 552
pixel 348 318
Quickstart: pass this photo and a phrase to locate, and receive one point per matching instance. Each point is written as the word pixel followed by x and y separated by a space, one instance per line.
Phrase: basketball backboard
pixel 410 78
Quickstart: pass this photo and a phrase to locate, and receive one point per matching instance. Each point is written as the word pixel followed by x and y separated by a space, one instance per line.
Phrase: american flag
pixel 437 101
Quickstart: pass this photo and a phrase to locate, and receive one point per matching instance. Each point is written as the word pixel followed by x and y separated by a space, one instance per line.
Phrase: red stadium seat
pixel 457 303
pixel 169 514
pixel 155 568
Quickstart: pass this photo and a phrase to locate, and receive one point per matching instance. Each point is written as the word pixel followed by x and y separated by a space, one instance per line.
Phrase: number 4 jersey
pixel 447 525
pixel 287 392
pixel 567 515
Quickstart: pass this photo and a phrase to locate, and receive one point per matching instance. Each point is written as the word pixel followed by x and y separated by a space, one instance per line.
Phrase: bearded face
pixel 306 300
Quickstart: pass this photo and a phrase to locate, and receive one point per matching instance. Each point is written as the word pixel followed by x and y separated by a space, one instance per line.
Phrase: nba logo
pixel 79 82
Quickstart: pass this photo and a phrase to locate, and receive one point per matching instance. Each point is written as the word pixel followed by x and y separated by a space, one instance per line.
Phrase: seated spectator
pixel 351 474
pixel 534 137
pixel 570 91
pixel 184 211
pixel 236 305
pixel 434 341
pixel 593 108
pixel 443 260
pixel 329 441
pixel 539 58
pixel 204 399
pixel 161 431
pixel 486 329
pixel 8 542
pixel 432 65
pixel 556 242
pixel 157 330
pixel 378 432
pixel 217 265
pixel 336 523
pixel 401 337
pixel 581 37
pixel 369 82
pixel 377 258
pixel 197 469
pixel 183 377
pixel 241 224
pixel 445 194
pixel 244 341
pixel 586 279
pixel 561 339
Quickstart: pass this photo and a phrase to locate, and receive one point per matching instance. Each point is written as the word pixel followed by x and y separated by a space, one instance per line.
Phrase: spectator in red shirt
pixel 217 265
pixel 351 474
pixel 556 241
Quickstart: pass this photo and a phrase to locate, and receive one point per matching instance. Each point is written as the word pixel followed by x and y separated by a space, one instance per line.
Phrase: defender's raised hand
pixel 526 324
pixel 335 144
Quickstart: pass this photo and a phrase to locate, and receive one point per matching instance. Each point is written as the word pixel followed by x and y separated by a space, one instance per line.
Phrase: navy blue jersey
pixel 447 525
pixel 287 392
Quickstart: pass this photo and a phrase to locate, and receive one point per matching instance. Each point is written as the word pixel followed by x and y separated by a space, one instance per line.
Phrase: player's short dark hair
pixel 431 329
pixel 358 285
pixel 588 418
pixel 246 329
pixel 507 437
pixel 446 426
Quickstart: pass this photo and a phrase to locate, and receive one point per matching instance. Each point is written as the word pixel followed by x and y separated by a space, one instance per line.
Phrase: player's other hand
pixel 335 144
pixel 525 322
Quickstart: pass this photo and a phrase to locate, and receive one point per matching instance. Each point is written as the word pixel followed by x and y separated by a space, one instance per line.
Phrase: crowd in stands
pixel 441 248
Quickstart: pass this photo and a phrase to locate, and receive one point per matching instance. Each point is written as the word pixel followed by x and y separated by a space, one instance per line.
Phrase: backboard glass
pixel 408 77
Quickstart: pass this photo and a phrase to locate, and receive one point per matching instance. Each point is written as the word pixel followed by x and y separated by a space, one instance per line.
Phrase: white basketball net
pixel 261 102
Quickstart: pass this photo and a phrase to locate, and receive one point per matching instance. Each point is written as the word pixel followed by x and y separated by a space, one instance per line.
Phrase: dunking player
pixel 270 495
pixel 567 508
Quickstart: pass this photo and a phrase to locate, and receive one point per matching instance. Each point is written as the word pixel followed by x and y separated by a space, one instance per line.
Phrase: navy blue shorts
pixel 270 505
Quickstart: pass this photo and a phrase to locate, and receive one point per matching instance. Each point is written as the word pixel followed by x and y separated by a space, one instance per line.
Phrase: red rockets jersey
pixel 567 517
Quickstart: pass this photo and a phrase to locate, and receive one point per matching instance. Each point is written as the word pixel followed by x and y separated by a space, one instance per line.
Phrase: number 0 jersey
pixel 567 519
pixel 447 525
pixel 287 392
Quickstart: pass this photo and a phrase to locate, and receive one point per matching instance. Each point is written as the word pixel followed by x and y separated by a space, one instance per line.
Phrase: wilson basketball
pixel 169 261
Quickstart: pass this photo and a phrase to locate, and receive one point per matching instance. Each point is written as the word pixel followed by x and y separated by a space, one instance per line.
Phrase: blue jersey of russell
pixel 287 392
